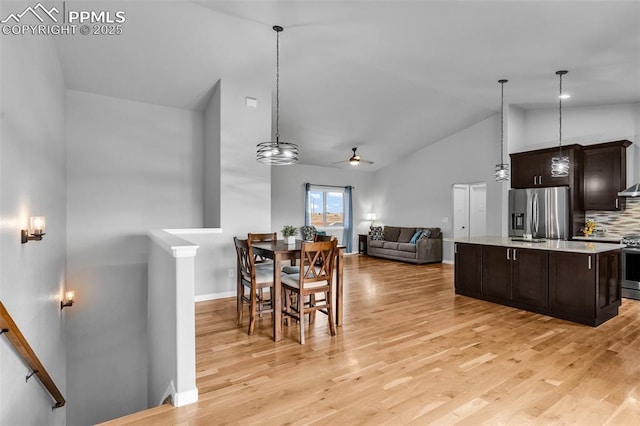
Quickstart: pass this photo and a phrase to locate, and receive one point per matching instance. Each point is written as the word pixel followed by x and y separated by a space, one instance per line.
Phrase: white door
pixel 478 209
pixel 461 211
pixel 469 210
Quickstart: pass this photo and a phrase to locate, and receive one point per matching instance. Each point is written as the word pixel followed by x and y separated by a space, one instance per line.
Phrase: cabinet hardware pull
pixel 539 180
pixel 589 262
pixel 508 254
pixel 617 203
pixel 515 254
pixel 535 180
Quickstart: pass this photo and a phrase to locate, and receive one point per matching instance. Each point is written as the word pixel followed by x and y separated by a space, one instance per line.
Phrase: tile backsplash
pixel 618 224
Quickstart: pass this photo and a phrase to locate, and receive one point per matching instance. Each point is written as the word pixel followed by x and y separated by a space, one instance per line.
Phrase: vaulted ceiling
pixel 387 76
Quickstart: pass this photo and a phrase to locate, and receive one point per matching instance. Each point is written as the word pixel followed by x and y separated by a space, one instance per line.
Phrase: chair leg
pixel 287 306
pixel 332 327
pixel 239 307
pixel 301 316
pixel 312 303
pixel 252 315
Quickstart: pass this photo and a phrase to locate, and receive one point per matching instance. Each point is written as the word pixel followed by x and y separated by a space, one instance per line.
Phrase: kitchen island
pixel 574 280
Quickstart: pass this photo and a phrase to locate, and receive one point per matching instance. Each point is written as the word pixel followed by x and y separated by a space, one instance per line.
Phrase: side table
pixel 362 243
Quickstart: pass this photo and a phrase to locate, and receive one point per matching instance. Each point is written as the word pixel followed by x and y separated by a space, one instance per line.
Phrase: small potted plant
pixel 289 233
pixel 589 227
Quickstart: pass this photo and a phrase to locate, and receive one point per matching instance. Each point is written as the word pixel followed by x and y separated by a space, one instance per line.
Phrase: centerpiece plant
pixel 289 233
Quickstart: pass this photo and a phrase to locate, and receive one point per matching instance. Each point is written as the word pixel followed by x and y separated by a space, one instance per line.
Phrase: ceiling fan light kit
pixel 277 153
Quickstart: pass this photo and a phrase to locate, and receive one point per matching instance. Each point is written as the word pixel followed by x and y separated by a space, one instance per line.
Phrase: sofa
pixel 405 243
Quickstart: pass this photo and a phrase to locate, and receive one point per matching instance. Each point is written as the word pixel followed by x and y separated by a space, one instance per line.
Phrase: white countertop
pixel 553 245
pixel 601 239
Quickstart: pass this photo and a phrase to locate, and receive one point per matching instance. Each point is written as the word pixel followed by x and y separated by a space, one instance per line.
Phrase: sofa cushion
pixel 406 234
pixel 390 245
pixel 391 233
pixel 376 243
pixel 376 233
pixel 407 247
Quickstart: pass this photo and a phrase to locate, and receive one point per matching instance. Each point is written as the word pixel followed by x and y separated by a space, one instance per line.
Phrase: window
pixel 326 207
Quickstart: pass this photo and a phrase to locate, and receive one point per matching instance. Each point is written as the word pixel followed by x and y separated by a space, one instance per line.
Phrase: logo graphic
pixel 34 11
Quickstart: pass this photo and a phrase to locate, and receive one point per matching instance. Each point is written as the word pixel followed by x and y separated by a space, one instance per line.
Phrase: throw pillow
pixel 308 232
pixel 426 233
pixel 415 237
pixel 376 233
pixel 406 234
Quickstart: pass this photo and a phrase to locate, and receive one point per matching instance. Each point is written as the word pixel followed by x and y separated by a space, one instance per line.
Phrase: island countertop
pixel 552 245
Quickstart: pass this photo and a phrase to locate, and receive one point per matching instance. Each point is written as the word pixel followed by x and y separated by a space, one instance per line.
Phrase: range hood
pixel 632 191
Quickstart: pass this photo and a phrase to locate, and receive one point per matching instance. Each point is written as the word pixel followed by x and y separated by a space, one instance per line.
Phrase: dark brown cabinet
pixel 584 287
pixel 468 269
pixel 496 272
pixel 605 174
pixel 530 277
pixel 579 287
pixel 532 169
pixel 515 274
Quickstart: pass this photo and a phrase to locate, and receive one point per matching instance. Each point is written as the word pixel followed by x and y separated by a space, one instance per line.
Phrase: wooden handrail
pixel 11 330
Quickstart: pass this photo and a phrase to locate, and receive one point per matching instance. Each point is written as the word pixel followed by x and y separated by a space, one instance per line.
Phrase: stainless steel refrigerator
pixel 541 212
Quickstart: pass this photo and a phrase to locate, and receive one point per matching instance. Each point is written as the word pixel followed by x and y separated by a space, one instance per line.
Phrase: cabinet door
pixel 496 272
pixel 544 169
pixel 524 171
pixel 468 272
pixel 603 178
pixel 529 278
pixel 572 284
pixel 608 279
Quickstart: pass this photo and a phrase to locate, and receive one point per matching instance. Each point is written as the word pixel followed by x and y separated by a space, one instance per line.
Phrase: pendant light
pixel 277 153
pixel 502 169
pixel 560 164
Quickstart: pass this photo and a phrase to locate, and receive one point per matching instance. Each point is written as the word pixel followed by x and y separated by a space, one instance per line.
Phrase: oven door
pixel 631 273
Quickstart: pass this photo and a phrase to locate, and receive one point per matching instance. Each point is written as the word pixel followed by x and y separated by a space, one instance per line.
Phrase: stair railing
pixel 9 328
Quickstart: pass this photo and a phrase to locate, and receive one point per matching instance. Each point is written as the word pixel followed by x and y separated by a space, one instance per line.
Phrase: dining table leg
pixel 277 298
pixel 339 286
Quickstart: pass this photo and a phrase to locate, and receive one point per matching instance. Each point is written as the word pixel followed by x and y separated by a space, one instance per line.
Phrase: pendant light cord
pixel 560 118
pixel 502 121
pixel 278 86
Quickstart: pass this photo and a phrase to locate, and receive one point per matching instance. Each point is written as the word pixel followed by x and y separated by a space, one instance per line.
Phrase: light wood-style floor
pixel 412 352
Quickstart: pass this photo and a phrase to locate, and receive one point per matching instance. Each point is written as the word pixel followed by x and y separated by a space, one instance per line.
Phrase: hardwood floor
pixel 412 352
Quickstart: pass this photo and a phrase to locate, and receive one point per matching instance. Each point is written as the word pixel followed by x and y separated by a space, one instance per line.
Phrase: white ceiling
pixel 387 76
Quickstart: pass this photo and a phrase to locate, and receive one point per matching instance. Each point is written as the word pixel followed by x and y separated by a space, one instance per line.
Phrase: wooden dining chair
pixel 316 278
pixel 250 285
pixel 270 237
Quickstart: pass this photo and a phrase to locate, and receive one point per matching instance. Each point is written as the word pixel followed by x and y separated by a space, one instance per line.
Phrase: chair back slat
pixel 246 260
pixel 320 257
pixel 273 236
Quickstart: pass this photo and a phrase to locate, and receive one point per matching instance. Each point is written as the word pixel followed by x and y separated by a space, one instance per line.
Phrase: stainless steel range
pixel 631 267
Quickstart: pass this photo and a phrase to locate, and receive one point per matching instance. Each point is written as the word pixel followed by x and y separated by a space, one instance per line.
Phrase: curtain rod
pixel 329 186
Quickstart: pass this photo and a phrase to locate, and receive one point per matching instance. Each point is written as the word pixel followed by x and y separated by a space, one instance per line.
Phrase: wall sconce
pixel 68 299
pixel 372 217
pixel 36 230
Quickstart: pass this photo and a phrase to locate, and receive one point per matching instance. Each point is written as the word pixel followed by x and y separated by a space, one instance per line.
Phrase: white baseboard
pixel 185 398
pixel 214 296
pixel 448 262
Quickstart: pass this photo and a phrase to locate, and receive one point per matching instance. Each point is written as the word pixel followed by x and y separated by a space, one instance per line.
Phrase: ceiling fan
pixel 355 159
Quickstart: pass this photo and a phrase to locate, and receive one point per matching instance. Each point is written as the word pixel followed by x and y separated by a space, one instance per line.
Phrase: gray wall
pixel 416 191
pixel 32 183
pixel 131 167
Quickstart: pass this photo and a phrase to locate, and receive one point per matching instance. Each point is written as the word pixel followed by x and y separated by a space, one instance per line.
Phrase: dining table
pixel 278 251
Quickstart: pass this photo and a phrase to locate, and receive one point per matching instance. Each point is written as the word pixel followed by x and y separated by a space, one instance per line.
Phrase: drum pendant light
pixel 502 169
pixel 560 164
pixel 277 153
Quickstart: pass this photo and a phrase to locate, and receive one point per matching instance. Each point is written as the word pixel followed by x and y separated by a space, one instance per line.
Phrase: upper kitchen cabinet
pixel 605 174
pixel 532 169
